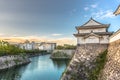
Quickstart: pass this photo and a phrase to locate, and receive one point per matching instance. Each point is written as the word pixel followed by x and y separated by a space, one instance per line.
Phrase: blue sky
pixel 53 19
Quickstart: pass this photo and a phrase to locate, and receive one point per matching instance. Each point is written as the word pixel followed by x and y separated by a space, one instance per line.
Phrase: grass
pixel 7 62
pixel 59 54
pixel 91 74
pixel 100 62
pixel 17 61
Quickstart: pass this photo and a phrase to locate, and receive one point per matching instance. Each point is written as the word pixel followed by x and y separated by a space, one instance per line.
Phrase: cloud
pixel 62 41
pixel 94 5
pixel 21 39
pixel 1 34
pixel 118 0
pixel 86 8
pixel 56 34
pixel 103 14
pixel 85 16
pixel 73 11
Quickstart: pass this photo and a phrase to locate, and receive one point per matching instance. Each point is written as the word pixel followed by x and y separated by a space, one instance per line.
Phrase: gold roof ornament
pixel 117 12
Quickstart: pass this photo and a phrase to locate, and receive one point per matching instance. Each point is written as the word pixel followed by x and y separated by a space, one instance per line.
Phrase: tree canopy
pixel 66 46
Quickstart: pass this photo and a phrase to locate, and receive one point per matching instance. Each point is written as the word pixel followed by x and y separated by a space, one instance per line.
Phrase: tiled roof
pixel 114 34
pixel 117 12
pixel 92 24
pixel 100 33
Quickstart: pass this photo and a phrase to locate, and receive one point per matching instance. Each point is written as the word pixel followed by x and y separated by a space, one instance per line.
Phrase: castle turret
pixel 93 32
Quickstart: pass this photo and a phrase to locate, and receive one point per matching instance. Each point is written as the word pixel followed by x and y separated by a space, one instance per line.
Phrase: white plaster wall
pixel 94 30
pixel 41 47
pixel 105 39
pixel 92 39
pixel 115 38
pixel 28 47
pixel 80 40
pixel 47 47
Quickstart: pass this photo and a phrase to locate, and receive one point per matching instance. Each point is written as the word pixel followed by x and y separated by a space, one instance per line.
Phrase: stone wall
pixel 83 61
pixel 13 60
pixel 68 52
pixel 62 54
pixel 111 70
pixel 85 56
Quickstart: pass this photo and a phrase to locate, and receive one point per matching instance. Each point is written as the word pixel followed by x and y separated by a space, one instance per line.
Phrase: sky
pixel 53 20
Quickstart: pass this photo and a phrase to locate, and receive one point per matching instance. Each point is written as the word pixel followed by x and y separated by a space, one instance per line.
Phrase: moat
pixel 40 68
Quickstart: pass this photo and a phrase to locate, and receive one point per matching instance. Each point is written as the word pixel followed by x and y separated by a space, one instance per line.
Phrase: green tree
pixel 8 49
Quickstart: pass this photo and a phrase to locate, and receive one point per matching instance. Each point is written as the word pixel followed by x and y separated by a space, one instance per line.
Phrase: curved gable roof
pixel 92 22
pixel 92 34
pixel 117 12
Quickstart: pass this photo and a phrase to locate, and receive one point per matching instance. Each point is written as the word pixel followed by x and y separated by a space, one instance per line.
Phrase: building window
pixel 78 44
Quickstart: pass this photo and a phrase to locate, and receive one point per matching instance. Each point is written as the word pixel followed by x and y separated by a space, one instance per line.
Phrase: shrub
pixel 60 54
pixel 66 46
pixel 100 62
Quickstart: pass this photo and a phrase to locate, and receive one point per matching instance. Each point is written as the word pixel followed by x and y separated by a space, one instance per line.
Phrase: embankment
pixel 111 70
pixel 83 62
pixel 12 60
pixel 87 59
pixel 62 54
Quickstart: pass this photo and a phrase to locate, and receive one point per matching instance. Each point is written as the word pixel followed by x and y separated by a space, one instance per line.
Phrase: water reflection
pixel 41 68
pixel 11 74
pixel 60 63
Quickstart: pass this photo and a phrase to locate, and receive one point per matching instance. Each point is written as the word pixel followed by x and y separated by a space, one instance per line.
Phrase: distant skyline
pixel 53 20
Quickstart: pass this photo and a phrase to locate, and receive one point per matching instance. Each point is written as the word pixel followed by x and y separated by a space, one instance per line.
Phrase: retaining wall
pixel 83 61
pixel 13 60
pixel 111 70
pixel 68 52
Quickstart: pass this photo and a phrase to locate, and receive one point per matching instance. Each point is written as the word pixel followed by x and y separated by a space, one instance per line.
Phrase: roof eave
pixel 87 27
pixel 83 34
pixel 76 35
pixel 77 28
pixel 116 11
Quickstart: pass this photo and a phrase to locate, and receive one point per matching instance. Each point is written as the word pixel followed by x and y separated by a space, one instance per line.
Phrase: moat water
pixel 40 68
